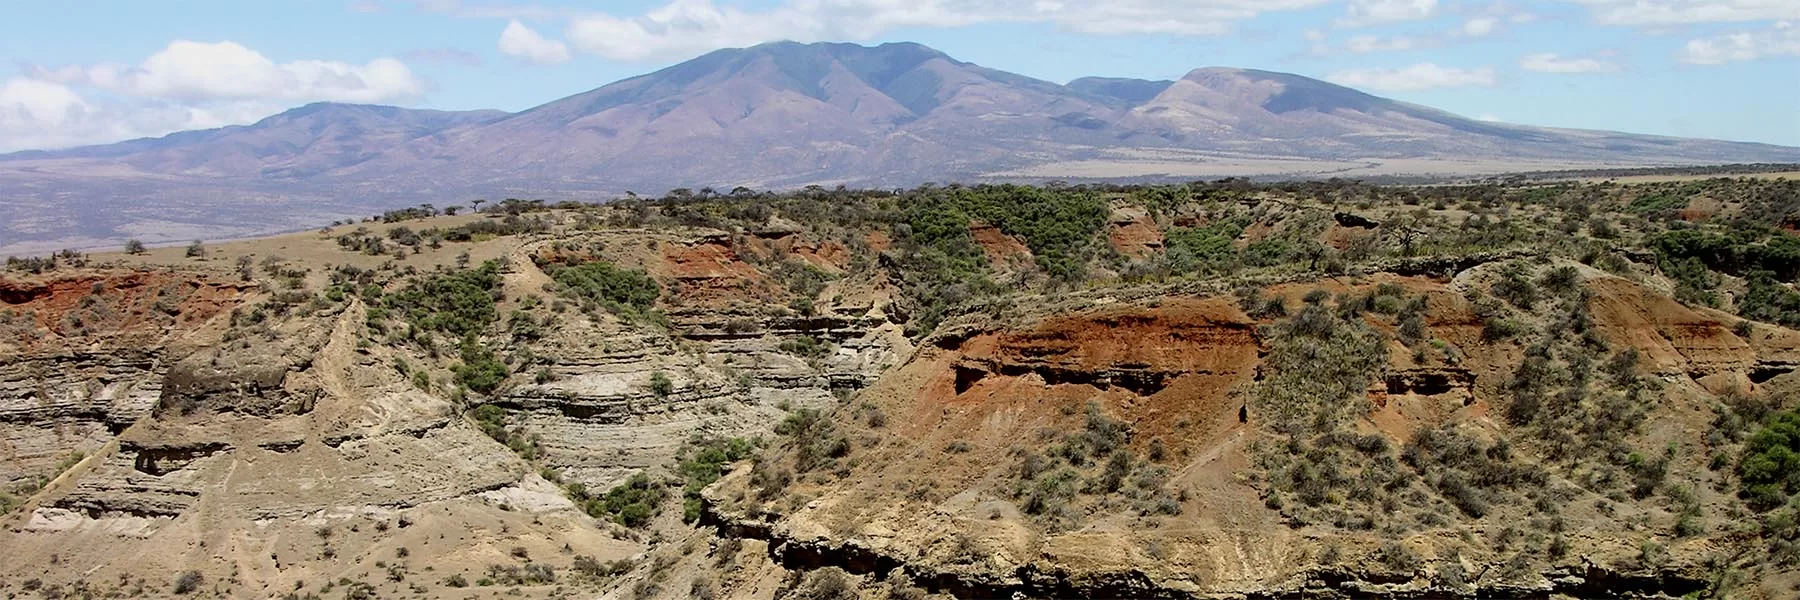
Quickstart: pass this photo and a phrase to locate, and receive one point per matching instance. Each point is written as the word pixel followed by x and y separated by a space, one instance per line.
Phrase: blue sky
pixel 90 72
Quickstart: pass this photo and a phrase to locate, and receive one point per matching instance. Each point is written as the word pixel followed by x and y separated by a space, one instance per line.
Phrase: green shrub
pixel 481 370
pixel 815 440
pixel 1770 467
pixel 459 303
pixel 805 345
pixel 829 583
pixel 1738 252
pixel 626 292
pixel 1208 250
pixel 631 504
pixel 703 463
pixel 1515 287
pixel 661 385
pixel 1769 300
pixel 1321 366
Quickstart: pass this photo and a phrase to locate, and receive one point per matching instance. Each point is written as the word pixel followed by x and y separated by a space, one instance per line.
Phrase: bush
pixel 626 292
pixel 631 504
pixel 1564 280
pixel 806 346
pixel 1769 300
pixel 459 303
pixel 188 582
pixel 661 385
pixel 1321 366
pixel 196 250
pixel 588 567
pixel 1770 468
pixel 1515 287
pixel 704 463
pixel 1207 250
pixel 480 370
pixel 829 583
pixel 134 247
pixel 1397 557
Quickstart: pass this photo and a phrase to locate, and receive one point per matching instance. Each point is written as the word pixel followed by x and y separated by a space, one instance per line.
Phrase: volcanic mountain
pixel 778 115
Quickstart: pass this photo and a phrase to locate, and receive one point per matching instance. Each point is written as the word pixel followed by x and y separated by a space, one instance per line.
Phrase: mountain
pixel 775 115
pixel 772 116
pixel 308 140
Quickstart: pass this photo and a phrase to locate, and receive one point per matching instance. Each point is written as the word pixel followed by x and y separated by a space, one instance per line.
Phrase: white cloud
pixel 198 71
pixel 1422 76
pixel 1373 12
pixel 522 42
pixel 1551 62
pixel 40 114
pixel 1490 21
pixel 1781 40
pixel 1480 26
pixel 1364 44
pixel 39 101
pixel 1685 12
pixel 686 27
pixel 186 85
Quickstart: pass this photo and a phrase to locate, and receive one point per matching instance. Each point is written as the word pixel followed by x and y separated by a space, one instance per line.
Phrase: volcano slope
pixel 1217 390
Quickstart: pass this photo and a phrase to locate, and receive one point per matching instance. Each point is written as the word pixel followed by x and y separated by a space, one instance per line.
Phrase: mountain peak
pixel 788 114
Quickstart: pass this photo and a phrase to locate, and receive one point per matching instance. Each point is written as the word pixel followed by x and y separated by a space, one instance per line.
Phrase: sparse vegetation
pixel 187 582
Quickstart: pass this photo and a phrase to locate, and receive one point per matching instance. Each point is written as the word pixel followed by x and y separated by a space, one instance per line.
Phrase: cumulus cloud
pixel 1781 40
pixel 1480 26
pixel 1551 62
pixel 685 27
pixel 1422 76
pixel 1373 12
pixel 522 42
pixel 40 114
pixel 186 85
pixel 1685 12
pixel 195 71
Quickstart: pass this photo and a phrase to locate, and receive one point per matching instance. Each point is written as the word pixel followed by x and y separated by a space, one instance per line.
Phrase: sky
pixel 87 72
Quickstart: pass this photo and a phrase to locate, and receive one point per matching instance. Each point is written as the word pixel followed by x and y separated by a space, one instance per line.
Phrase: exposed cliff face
pixel 83 357
pixel 1177 374
pixel 598 416
pixel 293 457
pixel 1135 436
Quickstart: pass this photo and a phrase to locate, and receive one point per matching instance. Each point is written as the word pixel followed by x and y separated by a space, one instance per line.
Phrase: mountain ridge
pixel 781 115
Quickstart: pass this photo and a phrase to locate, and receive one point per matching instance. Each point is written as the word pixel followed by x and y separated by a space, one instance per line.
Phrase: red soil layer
pixel 1173 367
pixel 1137 238
pixel 999 247
pixel 122 308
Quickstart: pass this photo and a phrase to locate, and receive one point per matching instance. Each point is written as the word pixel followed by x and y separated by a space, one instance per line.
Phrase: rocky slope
pixel 1245 392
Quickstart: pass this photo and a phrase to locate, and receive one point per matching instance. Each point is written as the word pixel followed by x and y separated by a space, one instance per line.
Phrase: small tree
pixel 134 247
pixel 196 250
